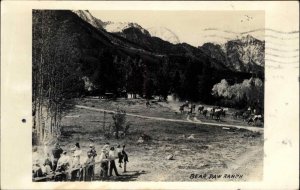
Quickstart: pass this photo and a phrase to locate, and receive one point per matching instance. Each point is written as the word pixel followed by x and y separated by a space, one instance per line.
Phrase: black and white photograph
pixel 121 95
pixel 149 95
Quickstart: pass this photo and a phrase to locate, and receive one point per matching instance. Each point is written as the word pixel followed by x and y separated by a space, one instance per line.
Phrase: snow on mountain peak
pixel 116 27
pixel 88 17
pixel 165 34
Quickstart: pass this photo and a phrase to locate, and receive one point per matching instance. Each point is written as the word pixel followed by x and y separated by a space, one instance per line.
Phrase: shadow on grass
pixel 128 176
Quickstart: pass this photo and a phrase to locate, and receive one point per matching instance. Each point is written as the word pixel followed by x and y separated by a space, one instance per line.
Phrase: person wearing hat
pixel 62 166
pixel 106 147
pixel 63 162
pixel 103 159
pixel 76 172
pixel 77 154
pixel 56 152
pixel 93 154
pixel 88 168
pixel 72 159
pixel 92 151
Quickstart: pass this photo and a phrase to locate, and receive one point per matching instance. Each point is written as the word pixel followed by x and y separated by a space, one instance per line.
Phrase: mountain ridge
pixel 245 54
pixel 138 63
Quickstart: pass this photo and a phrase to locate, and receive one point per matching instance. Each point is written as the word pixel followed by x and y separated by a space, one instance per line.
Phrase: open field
pixel 168 110
pixel 213 150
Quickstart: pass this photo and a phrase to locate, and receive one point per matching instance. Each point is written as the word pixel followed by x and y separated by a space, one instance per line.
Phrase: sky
pixel 190 26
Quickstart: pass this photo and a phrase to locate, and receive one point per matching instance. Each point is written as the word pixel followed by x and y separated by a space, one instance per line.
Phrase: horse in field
pixel 204 113
pixel 216 113
pixel 193 107
pixel 246 115
pixel 200 109
pixel 224 112
pixel 238 114
pixel 181 109
pixel 256 118
pixel 211 112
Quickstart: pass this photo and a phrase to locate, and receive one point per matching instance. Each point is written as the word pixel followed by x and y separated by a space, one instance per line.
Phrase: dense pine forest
pixel 71 58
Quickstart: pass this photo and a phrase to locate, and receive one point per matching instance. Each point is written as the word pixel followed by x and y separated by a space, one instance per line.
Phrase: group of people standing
pixel 75 166
pixel 107 160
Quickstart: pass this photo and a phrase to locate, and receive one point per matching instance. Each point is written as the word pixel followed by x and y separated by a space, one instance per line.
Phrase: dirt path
pixel 256 129
pixel 249 164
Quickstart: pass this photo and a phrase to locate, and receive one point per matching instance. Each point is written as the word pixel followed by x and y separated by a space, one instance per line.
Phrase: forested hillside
pixel 105 58
pixel 72 57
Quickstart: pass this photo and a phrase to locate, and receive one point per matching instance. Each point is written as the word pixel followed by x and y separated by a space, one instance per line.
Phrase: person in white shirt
pixel 46 169
pixel 112 165
pixel 36 159
pixel 36 164
pixel 47 166
pixel 103 159
pixel 63 162
pixel 77 154
pixel 76 169
pixel 106 147
pixel 62 167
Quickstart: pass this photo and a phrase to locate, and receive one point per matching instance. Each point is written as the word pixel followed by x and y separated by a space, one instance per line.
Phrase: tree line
pixel 71 59
pixel 250 92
